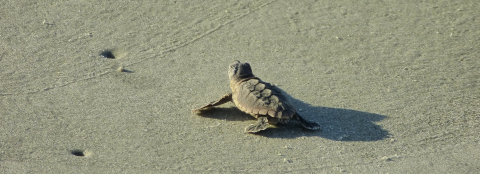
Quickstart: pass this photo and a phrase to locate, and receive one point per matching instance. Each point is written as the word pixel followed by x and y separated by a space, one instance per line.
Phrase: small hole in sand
pixel 107 54
pixel 77 152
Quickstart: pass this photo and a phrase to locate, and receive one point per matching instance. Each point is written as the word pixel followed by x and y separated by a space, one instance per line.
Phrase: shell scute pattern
pixel 260 98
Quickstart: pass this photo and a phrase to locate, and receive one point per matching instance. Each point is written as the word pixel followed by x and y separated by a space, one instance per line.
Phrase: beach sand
pixel 394 85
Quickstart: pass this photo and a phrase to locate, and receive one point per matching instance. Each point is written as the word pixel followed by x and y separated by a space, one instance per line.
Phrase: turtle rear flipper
pixel 226 98
pixel 261 124
pixel 307 124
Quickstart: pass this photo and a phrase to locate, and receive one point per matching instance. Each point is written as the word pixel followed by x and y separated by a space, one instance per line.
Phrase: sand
pixel 394 85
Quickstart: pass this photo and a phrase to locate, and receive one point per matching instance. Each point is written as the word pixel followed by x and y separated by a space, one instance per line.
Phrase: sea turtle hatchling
pixel 260 99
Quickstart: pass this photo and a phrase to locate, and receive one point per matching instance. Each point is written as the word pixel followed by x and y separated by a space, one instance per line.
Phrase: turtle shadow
pixel 336 123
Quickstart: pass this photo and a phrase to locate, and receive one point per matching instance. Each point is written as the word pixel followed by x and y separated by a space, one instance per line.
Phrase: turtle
pixel 260 99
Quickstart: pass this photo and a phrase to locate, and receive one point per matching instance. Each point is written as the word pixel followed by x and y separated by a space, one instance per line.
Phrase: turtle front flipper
pixel 307 124
pixel 226 98
pixel 261 124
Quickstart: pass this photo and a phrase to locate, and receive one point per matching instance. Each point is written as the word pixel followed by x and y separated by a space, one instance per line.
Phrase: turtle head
pixel 240 71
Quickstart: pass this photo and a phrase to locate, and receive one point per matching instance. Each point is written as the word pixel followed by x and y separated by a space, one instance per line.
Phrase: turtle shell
pixel 257 97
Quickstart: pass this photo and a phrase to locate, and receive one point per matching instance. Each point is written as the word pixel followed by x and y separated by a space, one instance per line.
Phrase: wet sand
pixel 394 86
